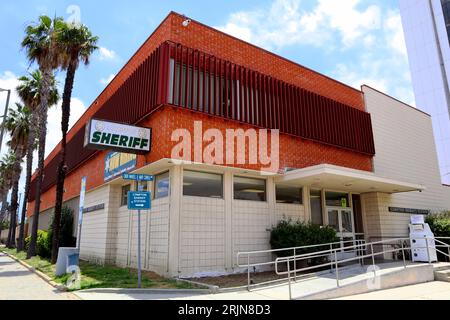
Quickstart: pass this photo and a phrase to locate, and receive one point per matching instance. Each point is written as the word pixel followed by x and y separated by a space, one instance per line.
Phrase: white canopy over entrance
pixel 338 178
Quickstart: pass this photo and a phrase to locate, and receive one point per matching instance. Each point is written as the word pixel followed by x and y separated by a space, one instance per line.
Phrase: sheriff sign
pixel 116 136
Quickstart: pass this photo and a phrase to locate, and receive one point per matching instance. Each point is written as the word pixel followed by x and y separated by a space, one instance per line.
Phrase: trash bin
pixel 67 257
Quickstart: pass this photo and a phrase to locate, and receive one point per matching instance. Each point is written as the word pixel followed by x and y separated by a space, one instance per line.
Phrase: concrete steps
pixel 442 271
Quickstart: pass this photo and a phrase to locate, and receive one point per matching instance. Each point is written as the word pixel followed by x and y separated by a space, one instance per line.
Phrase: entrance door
pixel 341 219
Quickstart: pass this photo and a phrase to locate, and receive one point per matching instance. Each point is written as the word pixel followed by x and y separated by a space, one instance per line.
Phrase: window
pixel 143 186
pixel 162 185
pixel 289 194
pixel 124 197
pixel 202 184
pixel 337 199
pixel 249 189
pixel 316 207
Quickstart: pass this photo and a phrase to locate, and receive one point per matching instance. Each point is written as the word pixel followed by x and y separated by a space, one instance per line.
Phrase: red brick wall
pixel 294 152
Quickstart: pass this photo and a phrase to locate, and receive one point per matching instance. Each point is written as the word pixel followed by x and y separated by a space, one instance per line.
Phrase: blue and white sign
pixel 117 163
pixel 137 177
pixel 138 200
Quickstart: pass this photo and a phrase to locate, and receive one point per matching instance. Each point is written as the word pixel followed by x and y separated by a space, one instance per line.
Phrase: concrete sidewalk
pixel 301 288
pixel 435 290
pixel 18 283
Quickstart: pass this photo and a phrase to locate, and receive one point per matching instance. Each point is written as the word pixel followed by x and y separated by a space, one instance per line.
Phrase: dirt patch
pixel 238 280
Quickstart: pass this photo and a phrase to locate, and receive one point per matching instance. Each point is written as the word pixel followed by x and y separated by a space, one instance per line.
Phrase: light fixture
pixel 186 22
pixel 348 185
pixel 252 191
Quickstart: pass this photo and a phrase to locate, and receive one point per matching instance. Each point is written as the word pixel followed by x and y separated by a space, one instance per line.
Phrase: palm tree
pixel 40 43
pixel 7 173
pixel 29 91
pixel 78 44
pixel 18 125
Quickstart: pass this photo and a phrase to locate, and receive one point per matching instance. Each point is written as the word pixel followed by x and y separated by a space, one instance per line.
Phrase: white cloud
pixel 364 40
pixel 107 80
pixel 286 23
pixel 106 54
pixel 8 80
pixel 54 135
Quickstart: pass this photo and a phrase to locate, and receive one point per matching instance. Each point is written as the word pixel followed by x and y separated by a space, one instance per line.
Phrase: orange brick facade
pixel 294 152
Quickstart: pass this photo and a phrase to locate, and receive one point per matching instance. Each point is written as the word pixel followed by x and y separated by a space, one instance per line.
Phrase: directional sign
pixel 138 200
pixel 137 177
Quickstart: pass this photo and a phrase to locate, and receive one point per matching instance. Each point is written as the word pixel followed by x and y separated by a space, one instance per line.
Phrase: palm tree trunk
pixel 30 150
pixel 13 209
pixel 62 167
pixel 42 115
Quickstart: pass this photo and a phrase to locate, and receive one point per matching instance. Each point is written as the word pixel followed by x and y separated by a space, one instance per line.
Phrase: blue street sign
pixel 139 200
pixel 137 177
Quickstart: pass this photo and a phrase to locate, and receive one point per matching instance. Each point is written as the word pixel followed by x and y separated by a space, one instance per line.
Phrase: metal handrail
pixel 249 265
pixel 336 262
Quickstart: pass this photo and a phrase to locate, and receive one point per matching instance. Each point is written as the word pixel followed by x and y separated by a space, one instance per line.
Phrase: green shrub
pixel 66 238
pixel 288 234
pixel 440 226
pixel 43 244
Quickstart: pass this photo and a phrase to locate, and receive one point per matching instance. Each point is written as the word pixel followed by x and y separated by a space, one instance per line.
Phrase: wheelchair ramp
pixel 353 280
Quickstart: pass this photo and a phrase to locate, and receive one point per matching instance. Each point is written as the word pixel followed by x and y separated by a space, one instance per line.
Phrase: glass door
pixel 341 219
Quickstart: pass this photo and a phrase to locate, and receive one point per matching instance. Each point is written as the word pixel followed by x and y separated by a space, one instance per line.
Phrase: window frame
pixel 205 172
pixel 124 196
pixel 155 185
pixel 252 178
pixel 300 189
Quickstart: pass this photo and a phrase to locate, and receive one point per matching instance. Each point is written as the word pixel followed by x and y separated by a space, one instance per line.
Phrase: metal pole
pixel 4 118
pixel 428 250
pixel 289 279
pixel 331 265
pixel 337 267
pixel 139 242
pixel 373 260
pixel 403 254
pixel 248 272
pixel 295 265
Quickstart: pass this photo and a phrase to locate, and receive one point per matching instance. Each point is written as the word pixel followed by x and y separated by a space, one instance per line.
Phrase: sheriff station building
pixel 357 160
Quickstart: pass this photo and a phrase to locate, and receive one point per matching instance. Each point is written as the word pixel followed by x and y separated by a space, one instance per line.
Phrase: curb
pixel 40 274
pixel 144 291
pixel 211 288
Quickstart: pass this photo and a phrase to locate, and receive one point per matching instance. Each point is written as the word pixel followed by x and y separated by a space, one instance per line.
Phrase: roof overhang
pixel 343 179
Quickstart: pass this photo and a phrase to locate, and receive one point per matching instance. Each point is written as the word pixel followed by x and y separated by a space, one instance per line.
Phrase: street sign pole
pixel 138 200
pixel 138 188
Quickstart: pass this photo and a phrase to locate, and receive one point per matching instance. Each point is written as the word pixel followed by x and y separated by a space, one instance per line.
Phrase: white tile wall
pixel 202 235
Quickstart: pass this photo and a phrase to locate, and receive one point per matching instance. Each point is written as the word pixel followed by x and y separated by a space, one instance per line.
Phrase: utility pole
pixel 2 130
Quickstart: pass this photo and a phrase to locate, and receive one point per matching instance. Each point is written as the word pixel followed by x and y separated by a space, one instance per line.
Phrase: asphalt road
pixel 18 283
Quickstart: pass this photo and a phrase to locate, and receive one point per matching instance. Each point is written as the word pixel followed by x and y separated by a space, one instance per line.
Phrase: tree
pixel 7 174
pixel 29 91
pixel 78 44
pixel 18 126
pixel 40 43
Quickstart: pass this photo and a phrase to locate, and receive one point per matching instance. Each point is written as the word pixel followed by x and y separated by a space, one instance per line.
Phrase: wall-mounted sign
pixel 117 163
pixel 116 136
pixel 94 208
pixel 409 210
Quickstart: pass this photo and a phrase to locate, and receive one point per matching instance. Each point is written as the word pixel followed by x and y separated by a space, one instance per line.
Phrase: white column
pixel 176 183
pixel 228 198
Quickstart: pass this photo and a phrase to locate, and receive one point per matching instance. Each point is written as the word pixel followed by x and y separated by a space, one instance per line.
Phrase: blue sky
pixel 355 41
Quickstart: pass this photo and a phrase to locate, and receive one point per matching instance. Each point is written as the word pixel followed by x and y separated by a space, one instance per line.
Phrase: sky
pixel 354 41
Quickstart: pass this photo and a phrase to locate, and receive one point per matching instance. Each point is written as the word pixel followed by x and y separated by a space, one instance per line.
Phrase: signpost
pixel 138 200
